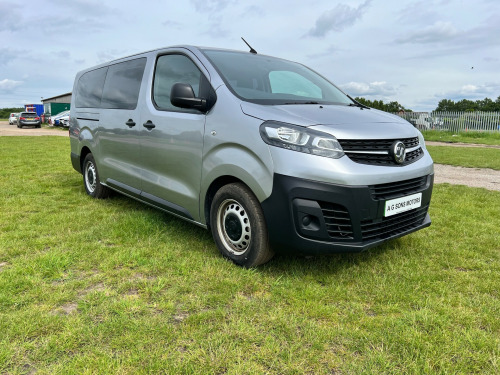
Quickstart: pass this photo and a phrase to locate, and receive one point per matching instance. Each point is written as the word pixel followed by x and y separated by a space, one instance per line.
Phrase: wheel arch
pixel 217 184
pixel 83 154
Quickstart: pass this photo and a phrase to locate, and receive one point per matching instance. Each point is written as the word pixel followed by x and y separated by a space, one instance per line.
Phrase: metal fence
pixel 454 121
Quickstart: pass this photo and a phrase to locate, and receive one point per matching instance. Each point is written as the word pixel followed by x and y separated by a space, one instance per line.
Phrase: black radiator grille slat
pixel 398 189
pixel 371 151
pixel 393 225
pixel 337 220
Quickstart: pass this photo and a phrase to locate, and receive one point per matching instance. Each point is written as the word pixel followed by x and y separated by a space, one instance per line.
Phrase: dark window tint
pixel 89 88
pixel 171 69
pixel 123 83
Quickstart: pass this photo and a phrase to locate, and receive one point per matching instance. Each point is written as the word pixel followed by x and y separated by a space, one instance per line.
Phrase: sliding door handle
pixel 130 123
pixel 149 125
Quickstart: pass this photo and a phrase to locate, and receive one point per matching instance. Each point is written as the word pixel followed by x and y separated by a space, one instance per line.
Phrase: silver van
pixel 266 153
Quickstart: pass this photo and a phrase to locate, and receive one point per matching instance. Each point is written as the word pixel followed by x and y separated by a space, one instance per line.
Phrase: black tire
pixel 91 179
pixel 238 226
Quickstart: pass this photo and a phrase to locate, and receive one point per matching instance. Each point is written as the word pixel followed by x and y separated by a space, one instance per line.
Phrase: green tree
pixel 5 112
pixel 466 105
pixel 379 104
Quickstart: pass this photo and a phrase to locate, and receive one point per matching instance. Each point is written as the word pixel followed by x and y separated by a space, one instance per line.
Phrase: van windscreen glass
pixel 269 80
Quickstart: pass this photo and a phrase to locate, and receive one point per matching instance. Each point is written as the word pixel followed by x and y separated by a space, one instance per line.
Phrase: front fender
pixel 241 163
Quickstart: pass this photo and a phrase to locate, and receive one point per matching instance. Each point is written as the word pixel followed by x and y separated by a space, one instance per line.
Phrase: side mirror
pixel 182 96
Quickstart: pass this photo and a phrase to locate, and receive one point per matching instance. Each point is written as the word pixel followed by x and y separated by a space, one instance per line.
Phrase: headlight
pixel 421 139
pixel 298 138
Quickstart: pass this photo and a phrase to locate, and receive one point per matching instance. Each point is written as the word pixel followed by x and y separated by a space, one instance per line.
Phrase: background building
pixel 57 104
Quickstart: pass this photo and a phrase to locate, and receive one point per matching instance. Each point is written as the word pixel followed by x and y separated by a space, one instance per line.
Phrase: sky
pixel 412 52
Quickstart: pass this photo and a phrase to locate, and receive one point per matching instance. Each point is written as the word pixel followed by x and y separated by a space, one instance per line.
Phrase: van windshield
pixel 269 80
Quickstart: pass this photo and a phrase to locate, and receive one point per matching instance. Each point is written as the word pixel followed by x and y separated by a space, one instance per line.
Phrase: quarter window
pixel 89 88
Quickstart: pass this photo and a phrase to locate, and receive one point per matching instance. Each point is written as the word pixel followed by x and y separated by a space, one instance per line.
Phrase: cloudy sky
pixel 414 52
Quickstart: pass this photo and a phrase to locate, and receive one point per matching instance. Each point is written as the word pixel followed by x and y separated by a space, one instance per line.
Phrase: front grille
pixel 397 189
pixel 337 220
pixel 376 151
pixel 393 225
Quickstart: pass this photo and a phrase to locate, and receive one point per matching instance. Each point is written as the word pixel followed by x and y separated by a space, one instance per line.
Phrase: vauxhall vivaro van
pixel 266 153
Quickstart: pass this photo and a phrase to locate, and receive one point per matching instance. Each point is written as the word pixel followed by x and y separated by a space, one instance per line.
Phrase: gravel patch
pixel 452 144
pixel 13 130
pixel 472 177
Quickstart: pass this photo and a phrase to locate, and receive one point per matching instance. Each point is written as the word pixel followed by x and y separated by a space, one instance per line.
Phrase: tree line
pixel 465 105
pixel 5 112
pixel 444 105
pixel 379 104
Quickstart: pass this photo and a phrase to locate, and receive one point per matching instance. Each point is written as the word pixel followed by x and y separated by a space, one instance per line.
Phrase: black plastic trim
pixel 294 214
pixel 75 161
pixel 149 199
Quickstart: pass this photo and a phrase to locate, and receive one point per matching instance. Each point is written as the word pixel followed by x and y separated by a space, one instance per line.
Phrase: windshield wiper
pixel 357 104
pixel 299 102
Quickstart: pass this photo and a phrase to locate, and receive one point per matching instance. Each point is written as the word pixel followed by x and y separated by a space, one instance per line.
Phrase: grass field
pixel 487 138
pixel 92 286
pixel 466 156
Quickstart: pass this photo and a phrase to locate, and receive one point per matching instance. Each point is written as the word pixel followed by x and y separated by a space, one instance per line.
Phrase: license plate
pixel 398 205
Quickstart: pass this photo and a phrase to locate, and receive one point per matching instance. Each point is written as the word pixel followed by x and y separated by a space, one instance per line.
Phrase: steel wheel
pixel 238 226
pixel 90 176
pixel 233 226
pixel 91 180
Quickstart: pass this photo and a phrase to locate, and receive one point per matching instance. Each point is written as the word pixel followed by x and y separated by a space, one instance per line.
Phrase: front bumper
pixel 312 217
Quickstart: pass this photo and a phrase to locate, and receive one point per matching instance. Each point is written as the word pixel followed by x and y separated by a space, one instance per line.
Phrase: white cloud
pixel 438 32
pixel 338 19
pixel 373 89
pixel 210 5
pixel 10 16
pixel 9 84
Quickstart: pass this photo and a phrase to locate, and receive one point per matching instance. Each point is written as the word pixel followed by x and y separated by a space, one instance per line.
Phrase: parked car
pixel 29 119
pixel 265 153
pixel 64 121
pixel 55 120
pixel 13 118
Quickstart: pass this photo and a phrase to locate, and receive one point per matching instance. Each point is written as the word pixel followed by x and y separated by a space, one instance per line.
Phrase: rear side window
pixel 89 88
pixel 171 69
pixel 123 82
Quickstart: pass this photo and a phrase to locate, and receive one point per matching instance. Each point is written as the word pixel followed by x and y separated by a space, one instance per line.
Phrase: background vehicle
pixel 29 119
pixel 13 118
pixel 56 120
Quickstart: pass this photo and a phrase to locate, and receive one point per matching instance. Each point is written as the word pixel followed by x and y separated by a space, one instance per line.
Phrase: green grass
pixel 92 286
pixel 486 138
pixel 466 156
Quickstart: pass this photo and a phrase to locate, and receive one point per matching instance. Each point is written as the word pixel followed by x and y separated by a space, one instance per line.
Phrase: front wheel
pixel 91 180
pixel 238 226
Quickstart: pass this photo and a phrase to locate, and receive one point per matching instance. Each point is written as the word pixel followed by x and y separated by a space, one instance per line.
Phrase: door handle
pixel 149 125
pixel 130 123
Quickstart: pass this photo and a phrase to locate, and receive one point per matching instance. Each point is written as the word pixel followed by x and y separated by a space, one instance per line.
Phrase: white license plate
pixel 398 205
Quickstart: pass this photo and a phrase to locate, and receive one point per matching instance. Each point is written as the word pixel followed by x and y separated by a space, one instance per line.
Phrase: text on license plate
pixel 398 205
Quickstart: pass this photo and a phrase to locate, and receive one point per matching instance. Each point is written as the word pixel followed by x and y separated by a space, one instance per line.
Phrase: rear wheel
pixel 91 180
pixel 238 226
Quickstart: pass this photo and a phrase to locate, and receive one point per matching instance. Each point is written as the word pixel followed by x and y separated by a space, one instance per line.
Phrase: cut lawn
pixel 486 138
pixel 466 156
pixel 112 286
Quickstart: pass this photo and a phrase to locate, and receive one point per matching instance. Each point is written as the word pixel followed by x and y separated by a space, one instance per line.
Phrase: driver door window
pixel 171 69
